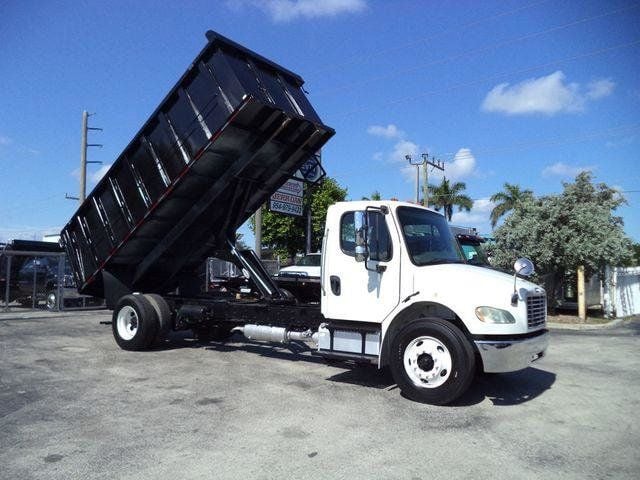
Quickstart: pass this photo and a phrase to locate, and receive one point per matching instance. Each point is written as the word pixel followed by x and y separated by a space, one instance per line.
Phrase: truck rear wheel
pixel 163 311
pixel 432 361
pixel 135 323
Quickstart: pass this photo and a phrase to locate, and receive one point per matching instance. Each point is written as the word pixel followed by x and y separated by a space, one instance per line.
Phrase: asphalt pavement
pixel 74 406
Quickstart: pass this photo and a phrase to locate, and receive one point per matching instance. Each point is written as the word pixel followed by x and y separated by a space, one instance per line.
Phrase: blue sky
pixel 527 92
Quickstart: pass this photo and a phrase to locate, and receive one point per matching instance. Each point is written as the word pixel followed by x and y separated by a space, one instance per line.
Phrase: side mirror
pixel 524 266
pixel 360 227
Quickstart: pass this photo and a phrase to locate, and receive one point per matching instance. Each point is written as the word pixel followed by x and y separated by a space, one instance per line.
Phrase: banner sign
pixel 288 199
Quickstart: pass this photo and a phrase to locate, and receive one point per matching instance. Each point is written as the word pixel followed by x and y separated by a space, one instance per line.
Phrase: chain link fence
pixel 39 280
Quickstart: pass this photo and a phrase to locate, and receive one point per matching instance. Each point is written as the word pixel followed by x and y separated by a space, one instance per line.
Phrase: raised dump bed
pixel 233 129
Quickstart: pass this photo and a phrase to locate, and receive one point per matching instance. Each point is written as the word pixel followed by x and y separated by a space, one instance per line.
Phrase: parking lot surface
pixel 74 406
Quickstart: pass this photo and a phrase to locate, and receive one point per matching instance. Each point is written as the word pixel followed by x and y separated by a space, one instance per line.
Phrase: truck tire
pixel 135 323
pixel 432 361
pixel 163 311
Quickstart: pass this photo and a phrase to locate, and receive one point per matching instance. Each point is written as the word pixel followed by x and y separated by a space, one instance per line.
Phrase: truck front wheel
pixel 432 361
pixel 135 323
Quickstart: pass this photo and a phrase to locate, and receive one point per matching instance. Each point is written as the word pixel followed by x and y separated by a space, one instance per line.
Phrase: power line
pixel 520 146
pixel 615 131
pixel 492 77
pixel 471 53
pixel 454 29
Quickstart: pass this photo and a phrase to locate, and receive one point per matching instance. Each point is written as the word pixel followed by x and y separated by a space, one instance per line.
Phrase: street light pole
pixel 417 165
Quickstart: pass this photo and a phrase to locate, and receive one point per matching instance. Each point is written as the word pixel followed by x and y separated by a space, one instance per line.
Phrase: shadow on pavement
pixel 507 388
pixel 501 389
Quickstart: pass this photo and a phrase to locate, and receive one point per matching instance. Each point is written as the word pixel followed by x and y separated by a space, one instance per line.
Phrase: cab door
pixel 355 291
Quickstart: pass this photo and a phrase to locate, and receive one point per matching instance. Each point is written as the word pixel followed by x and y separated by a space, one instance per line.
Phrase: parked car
pixel 306 266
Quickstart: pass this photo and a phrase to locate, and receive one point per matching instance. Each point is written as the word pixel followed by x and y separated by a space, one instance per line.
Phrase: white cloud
pixel 462 166
pixel 546 95
pixel 92 177
pixel 288 10
pixel 390 131
pixel 403 148
pixel 96 176
pixel 561 169
pixel 478 216
pixel 600 88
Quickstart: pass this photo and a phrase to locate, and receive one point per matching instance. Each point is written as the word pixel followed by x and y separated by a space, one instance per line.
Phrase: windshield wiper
pixel 441 261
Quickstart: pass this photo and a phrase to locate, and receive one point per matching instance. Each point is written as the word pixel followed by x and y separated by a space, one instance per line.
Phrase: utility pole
pixel 434 164
pixel 83 155
pixel 425 162
pixel 258 232
pixel 308 242
pixel 582 301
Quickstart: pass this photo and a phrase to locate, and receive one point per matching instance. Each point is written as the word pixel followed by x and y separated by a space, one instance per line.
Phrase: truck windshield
pixel 309 261
pixel 428 238
pixel 473 252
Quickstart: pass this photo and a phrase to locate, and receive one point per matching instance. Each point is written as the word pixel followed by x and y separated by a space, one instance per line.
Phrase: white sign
pixel 311 170
pixel 288 199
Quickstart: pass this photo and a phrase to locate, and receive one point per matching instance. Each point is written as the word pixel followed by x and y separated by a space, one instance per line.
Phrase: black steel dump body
pixel 234 128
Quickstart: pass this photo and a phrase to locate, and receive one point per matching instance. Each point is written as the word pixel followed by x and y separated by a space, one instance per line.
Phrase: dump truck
pixel 395 289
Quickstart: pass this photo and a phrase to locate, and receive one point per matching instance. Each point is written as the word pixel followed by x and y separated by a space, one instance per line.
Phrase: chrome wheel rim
pixel 127 322
pixel 51 301
pixel 427 362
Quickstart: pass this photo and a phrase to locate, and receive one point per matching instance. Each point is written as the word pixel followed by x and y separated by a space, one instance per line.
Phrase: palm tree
pixel 447 196
pixel 507 200
pixel 374 196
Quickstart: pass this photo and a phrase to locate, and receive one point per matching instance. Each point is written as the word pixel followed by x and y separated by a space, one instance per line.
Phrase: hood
pixel 464 287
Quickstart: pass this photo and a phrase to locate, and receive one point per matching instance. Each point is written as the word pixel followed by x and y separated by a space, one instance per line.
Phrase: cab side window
pixel 378 238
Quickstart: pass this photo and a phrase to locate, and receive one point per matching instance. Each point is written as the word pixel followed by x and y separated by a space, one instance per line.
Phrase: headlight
pixel 494 315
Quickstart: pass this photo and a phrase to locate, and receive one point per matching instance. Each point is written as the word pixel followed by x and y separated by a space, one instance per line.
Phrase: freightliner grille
pixel 536 310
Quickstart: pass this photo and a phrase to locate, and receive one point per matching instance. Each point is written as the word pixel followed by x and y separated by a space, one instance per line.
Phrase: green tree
pixel 375 195
pixel 507 200
pixel 286 234
pixel 446 196
pixel 561 232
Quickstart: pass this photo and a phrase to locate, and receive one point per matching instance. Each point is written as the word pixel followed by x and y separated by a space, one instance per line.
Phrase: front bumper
pixel 509 355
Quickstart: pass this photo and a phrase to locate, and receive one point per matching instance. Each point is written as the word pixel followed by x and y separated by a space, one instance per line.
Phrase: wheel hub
pixel 427 362
pixel 127 323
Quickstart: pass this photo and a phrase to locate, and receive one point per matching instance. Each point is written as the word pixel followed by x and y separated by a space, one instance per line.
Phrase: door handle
pixel 334 280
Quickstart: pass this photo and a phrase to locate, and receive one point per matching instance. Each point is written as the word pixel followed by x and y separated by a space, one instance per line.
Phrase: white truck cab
pixel 395 269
